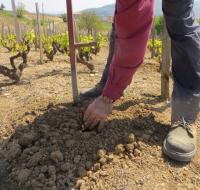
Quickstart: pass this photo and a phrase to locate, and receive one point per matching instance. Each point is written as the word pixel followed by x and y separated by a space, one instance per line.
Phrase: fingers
pixel 94 124
pixel 93 121
pixel 95 115
pixel 90 121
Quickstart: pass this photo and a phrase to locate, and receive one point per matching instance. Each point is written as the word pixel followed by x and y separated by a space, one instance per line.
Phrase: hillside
pixel 109 9
pixel 27 21
pixel 6 17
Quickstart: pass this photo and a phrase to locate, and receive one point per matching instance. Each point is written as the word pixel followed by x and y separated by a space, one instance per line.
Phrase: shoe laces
pixel 182 123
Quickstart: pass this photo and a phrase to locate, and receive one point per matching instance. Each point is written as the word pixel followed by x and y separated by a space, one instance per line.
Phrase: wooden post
pixel 17 28
pixel 95 35
pixel 36 33
pixel 153 36
pixel 39 32
pixel 165 66
pixel 49 30
pixel 76 34
pixel 43 12
pixel 72 51
pixel 2 30
pixel 53 26
pixel 9 31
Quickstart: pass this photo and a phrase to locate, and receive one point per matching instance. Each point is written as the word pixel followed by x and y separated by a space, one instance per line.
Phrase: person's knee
pixel 179 17
pixel 177 8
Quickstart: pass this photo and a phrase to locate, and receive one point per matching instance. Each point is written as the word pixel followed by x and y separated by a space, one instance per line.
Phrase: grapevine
pixel 156 46
pixel 19 50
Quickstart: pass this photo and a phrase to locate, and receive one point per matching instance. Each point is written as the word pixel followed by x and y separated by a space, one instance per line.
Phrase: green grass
pixel 9 15
pixel 6 14
pixel 105 26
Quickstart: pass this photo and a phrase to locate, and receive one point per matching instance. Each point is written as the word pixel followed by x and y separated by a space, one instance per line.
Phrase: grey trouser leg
pixel 185 35
pixel 110 56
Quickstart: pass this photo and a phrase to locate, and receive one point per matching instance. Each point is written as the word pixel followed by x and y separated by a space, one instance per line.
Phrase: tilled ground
pixel 43 147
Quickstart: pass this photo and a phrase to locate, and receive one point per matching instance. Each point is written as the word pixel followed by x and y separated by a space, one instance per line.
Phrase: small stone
pixel 110 157
pixel 56 156
pixel 89 174
pixel 129 148
pixel 103 161
pixel 119 149
pixel 131 138
pixel 97 167
pixel 23 175
pixel 136 145
pixel 101 153
pixel 137 152
pixel 77 159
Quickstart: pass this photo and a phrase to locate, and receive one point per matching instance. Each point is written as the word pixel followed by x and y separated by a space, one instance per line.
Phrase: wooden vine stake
pixel 17 28
pixel 39 32
pixel 43 13
pixel 72 51
pixel 165 65
pixel 72 47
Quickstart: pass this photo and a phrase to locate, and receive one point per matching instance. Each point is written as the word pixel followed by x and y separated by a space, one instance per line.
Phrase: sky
pixel 58 6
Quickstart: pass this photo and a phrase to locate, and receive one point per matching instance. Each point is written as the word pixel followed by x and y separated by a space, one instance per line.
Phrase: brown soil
pixel 42 146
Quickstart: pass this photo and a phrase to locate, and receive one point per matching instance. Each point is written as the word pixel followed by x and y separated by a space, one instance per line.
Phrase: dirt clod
pixel 27 139
pixel 137 152
pixel 97 167
pixel 131 138
pixel 56 156
pixel 14 150
pixel 65 167
pixel 119 149
pixel 35 159
pixel 103 161
pixel 23 175
pixel 101 153
pixel 129 148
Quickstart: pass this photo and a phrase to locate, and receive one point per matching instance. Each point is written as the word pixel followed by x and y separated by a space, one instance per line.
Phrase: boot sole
pixel 181 157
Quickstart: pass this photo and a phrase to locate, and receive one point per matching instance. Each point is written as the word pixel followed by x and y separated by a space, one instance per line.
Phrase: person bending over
pixel 132 24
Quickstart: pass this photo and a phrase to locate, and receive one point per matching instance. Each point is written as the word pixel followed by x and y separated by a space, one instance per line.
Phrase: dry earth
pixel 42 146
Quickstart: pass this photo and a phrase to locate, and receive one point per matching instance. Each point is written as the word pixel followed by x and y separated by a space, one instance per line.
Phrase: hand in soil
pixel 96 114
